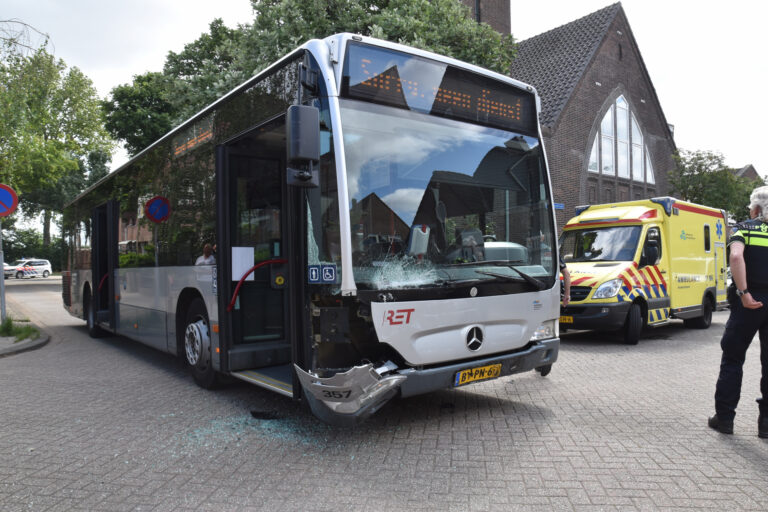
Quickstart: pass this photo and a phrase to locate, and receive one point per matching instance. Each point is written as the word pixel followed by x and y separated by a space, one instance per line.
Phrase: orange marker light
pixel 216 329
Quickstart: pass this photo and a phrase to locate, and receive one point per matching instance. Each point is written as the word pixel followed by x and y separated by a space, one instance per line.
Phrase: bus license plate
pixel 566 319
pixel 475 374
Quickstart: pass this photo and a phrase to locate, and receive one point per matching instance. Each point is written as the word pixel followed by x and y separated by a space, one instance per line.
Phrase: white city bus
pixel 378 222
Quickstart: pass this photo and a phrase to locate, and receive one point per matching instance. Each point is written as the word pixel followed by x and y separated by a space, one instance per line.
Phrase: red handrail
pixel 101 283
pixel 240 283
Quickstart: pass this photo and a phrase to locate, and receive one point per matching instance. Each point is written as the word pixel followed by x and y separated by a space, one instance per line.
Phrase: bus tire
pixel 633 326
pixel 703 321
pixel 197 345
pixel 94 331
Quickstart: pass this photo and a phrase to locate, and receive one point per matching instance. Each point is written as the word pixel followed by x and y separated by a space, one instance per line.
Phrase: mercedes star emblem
pixel 474 339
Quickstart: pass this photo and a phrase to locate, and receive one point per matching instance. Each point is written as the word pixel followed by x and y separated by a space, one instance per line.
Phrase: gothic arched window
pixel 618 148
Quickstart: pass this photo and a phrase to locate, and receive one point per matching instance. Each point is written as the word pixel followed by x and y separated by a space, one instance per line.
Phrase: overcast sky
pixel 705 58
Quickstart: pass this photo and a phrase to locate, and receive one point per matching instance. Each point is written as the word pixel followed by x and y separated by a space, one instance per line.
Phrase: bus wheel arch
pixel 635 322
pixel 193 339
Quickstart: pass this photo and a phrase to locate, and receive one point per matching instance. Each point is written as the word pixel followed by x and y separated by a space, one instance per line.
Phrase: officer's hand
pixel 565 300
pixel 748 302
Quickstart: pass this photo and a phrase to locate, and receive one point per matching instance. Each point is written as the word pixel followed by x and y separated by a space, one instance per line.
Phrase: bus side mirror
pixel 303 145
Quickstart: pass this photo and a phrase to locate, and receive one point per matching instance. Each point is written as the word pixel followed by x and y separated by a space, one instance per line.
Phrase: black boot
pixel 722 426
pixel 762 421
pixel 762 426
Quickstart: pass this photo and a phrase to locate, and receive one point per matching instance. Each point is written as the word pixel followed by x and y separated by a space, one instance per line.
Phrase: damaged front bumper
pixel 348 398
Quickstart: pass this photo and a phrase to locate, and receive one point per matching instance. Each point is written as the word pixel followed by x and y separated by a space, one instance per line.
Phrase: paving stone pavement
pixel 112 425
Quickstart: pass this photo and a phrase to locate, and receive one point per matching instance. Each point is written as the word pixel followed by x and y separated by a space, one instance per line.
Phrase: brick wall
pixel 493 12
pixel 617 68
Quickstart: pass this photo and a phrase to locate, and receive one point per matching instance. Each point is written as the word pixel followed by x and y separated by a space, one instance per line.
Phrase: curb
pixel 25 346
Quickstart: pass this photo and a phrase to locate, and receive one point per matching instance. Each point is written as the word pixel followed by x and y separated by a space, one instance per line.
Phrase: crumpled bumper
pixel 358 392
pixel 349 397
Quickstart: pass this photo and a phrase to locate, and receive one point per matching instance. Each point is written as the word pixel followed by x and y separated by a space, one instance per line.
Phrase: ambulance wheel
pixel 703 321
pixel 633 326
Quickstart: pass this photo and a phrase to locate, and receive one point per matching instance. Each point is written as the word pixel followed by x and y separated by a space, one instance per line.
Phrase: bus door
pixel 252 258
pixel 104 220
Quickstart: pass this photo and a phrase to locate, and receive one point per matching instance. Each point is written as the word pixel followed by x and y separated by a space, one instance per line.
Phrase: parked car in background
pixel 31 268
pixel 7 270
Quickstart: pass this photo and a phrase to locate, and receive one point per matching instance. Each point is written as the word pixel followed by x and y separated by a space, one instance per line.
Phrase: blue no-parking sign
pixel 157 209
pixel 8 200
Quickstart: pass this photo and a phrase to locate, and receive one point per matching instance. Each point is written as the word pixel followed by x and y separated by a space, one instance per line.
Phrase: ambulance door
pixel 721 277
pixel 654 269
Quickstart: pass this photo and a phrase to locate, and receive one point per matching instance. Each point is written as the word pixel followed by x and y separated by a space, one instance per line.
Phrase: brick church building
pixel 605 134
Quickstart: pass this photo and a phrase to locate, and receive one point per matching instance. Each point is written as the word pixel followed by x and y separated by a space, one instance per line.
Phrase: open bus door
pixel 257 239
pixel 104 259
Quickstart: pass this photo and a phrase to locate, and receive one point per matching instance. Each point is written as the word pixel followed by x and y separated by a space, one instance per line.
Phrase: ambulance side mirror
pixel 650 253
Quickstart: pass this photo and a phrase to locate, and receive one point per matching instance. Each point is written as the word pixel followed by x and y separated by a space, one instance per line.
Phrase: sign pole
pixel 2 281
pixel 8 203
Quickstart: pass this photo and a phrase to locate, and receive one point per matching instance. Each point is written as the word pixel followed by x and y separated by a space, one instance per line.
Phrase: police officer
pixel 748 247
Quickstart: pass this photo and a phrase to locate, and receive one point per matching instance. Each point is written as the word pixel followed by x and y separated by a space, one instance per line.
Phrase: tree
pixel 223 58
pixel 702 177
pixel 205 69
pixel 140 113
pixel 443 26
pixel 49 117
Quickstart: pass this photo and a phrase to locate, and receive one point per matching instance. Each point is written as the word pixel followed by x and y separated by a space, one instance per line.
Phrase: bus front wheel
pixel 197 345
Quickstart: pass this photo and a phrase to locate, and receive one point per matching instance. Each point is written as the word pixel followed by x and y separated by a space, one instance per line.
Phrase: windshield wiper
pixel 493 263
pixel 449 283
pixel 502 277
pixel 502 263
pixel 530 280
pixel 525 277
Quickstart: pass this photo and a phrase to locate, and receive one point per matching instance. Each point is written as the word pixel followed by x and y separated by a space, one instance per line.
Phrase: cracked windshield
pixel 436 201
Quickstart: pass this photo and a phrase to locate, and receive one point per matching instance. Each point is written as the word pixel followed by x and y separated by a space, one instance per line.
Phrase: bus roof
pixel 332 45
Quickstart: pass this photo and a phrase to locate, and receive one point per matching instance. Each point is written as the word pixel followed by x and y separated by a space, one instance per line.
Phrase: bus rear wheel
pixel 94 331
pixel 197 345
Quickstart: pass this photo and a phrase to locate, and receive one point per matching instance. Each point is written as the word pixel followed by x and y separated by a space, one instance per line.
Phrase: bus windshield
pixel 435 200
pixel 603 244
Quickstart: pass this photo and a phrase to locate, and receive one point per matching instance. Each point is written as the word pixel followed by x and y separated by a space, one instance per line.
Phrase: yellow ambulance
pixel 644 262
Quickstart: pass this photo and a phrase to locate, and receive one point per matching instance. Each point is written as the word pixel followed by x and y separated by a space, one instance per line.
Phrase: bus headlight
pixel 545 331
pixel 608 289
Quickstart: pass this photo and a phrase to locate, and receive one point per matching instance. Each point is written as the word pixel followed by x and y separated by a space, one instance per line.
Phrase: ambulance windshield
pixel 600 244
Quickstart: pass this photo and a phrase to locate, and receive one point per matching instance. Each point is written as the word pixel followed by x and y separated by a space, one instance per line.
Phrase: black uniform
pixel 744 323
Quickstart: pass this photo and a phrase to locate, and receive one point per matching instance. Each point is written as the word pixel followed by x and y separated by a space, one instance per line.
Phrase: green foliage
pixel 141 112
pixel 702 177
pixel 28 243
pixel 441 26
pixel 49 118
pixel 20 332
pixel 133 259
pixel 204 70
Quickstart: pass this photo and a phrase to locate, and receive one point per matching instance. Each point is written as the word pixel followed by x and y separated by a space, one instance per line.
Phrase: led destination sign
pixel 393 78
